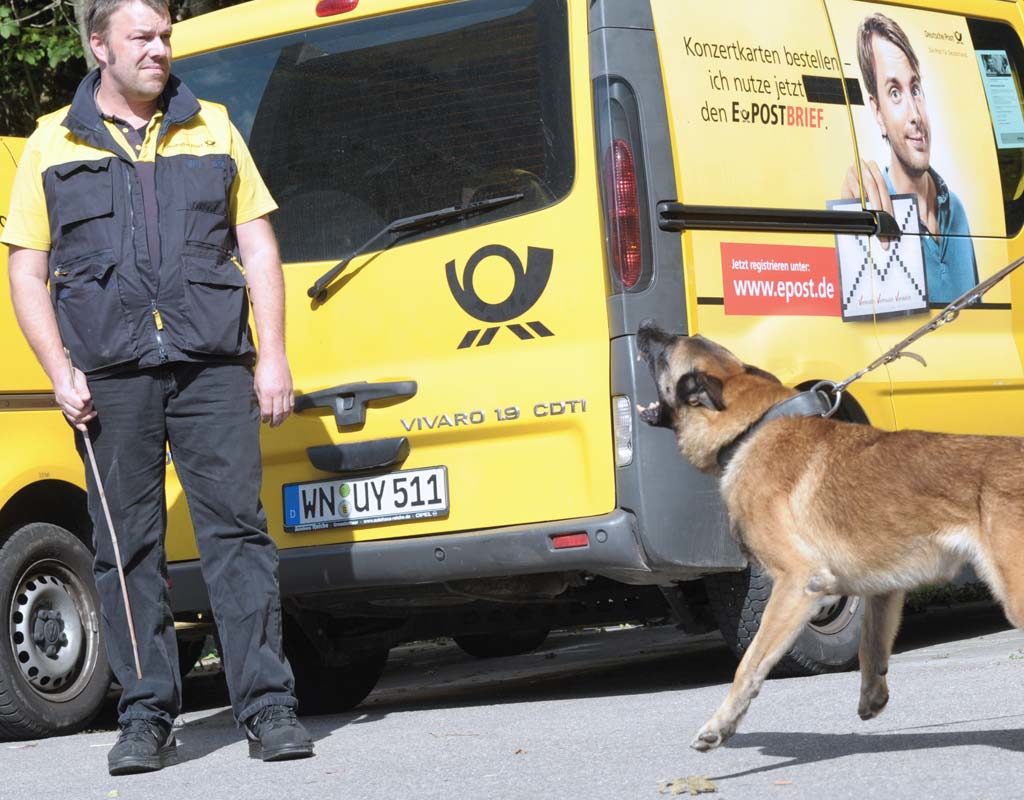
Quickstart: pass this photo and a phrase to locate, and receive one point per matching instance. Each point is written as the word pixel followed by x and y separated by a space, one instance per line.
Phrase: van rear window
pixel 364 122
pixel 1001 61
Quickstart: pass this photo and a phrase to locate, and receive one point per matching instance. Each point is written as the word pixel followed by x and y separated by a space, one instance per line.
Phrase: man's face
pixel 136 51
pixel 900 108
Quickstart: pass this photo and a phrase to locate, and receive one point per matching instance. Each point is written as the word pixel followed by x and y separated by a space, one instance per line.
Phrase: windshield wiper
pixel 404 226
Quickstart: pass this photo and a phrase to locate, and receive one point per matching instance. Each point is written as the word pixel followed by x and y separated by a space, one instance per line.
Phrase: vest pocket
pixel 90 314
pixel 84 195
pixel 217 305
pixel 206 190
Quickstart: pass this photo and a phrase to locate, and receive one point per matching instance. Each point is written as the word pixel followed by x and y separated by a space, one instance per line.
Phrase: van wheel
pixel 54 674
pixel 829 642
pixel 494 645
pixel 327 688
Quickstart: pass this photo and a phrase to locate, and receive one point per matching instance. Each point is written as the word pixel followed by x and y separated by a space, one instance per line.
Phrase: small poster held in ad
pixel 1001 93
pixel 882 279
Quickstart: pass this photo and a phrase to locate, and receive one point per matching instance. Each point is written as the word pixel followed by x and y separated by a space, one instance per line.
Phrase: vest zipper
pixel 131 204
pixel 158 322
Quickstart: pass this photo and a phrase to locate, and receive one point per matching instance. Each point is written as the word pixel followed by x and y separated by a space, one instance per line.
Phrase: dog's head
pixel 706 394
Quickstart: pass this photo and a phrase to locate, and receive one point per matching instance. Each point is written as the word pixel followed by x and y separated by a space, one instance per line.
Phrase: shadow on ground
pixel 813 748
pixel 587 664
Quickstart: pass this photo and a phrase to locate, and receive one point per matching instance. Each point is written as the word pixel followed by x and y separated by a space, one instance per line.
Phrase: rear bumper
pixel 613 550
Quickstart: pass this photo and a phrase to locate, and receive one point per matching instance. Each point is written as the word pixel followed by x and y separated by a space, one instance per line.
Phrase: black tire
pixel 495 645
pixel 829 643
pixel 328 689
pixel 54 674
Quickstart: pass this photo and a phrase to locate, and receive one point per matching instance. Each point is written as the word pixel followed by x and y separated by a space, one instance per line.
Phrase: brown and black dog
pixel 835 508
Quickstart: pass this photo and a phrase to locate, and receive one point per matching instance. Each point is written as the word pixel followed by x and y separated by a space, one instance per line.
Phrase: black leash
pixel 823 399
pixel 944 317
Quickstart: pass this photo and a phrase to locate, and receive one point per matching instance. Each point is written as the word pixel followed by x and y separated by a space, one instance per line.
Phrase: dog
pixel 835 508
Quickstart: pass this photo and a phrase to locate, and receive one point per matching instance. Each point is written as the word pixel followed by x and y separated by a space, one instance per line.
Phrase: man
pixel 135 204
pixel 892 78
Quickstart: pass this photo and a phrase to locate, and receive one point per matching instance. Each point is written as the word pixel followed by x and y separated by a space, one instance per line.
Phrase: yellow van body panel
pixel 485 414
pixel 38 446
pixel 782 166
pixel 21 372
pixel 974 379
pixel 521 427
pixel 37 442
pixel 746 134
pixel 542 451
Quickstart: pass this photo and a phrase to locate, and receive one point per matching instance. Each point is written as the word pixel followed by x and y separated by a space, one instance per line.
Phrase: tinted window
pixel 1002 61
pixel 358 124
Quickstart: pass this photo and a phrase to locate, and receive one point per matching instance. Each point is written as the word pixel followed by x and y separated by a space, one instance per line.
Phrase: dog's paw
pixel 873 702
pixel 707 739
pixel 650 413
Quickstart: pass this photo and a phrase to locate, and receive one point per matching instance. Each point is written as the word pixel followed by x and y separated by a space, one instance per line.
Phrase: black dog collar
pixel 805 404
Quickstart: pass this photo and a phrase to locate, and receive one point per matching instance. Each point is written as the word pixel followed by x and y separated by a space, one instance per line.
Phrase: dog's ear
pixel 700 389
pixel 752 370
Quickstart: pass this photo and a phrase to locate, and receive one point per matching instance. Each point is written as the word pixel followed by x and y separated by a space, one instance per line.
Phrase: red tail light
pixel 623 213
pixel 328 8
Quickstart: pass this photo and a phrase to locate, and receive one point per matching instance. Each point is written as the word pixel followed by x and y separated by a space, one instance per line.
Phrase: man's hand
pixel 876 193
pixel 273 384
pixel 258 248
pixel 31 300
pixel 74 398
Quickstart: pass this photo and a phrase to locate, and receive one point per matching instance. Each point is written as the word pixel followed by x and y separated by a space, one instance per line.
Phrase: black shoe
pixel 275 734
pixel 143 746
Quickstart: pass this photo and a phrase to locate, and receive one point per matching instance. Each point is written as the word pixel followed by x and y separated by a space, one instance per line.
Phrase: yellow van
pixel 480 201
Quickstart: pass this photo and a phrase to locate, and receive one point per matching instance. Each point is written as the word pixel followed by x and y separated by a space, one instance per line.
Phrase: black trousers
pixel 209 415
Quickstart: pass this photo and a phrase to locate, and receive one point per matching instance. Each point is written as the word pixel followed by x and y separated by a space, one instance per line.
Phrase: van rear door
pixel 938 115
pixel 471 352
pixel 764 150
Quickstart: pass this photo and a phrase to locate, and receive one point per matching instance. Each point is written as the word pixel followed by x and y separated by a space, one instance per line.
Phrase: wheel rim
pixel 835 613
pixel 54 630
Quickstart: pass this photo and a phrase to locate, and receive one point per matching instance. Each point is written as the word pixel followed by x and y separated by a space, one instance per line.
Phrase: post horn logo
pixel 529 286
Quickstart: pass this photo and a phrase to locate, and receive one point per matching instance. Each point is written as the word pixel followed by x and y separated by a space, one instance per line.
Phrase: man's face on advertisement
pixel 899 107
pixel 136 51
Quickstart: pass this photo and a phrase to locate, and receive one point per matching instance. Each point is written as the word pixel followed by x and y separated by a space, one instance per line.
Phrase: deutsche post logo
pixel 528 287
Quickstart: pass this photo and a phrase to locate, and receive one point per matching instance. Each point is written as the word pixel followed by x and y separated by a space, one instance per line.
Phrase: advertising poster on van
pixel 925 136
pixel 755 101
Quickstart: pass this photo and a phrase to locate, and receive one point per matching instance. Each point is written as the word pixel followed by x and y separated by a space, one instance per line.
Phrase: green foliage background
pixel 41 59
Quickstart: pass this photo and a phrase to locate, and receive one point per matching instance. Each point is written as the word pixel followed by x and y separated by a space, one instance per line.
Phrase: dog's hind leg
pixel 790 607
pixel 881 621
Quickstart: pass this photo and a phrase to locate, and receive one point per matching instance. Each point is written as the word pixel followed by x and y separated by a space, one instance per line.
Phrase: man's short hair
pixel 881 26
pixel 98 13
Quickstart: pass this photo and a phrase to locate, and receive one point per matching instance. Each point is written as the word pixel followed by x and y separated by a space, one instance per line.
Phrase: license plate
pixel 395 497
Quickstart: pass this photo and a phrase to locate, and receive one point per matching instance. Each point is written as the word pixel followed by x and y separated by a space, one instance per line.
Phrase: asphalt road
pixel 602 715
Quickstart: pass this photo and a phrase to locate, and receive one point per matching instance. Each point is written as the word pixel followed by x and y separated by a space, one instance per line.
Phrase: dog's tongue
pixel 650 413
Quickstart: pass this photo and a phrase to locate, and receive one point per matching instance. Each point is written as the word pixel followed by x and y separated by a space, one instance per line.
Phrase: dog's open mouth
pixel 651 413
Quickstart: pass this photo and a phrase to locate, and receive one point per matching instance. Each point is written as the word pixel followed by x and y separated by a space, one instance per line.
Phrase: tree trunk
pixel 90 60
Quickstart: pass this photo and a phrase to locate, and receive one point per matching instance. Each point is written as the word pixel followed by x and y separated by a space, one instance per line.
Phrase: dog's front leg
pixel 881 621
pixel 789 608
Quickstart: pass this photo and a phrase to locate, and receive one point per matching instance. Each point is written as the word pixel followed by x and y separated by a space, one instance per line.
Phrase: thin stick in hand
pixel 113 537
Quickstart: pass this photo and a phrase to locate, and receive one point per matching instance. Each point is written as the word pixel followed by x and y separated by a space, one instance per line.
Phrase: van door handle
pixel 674 216
pixel 358 457
pixel 348 401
